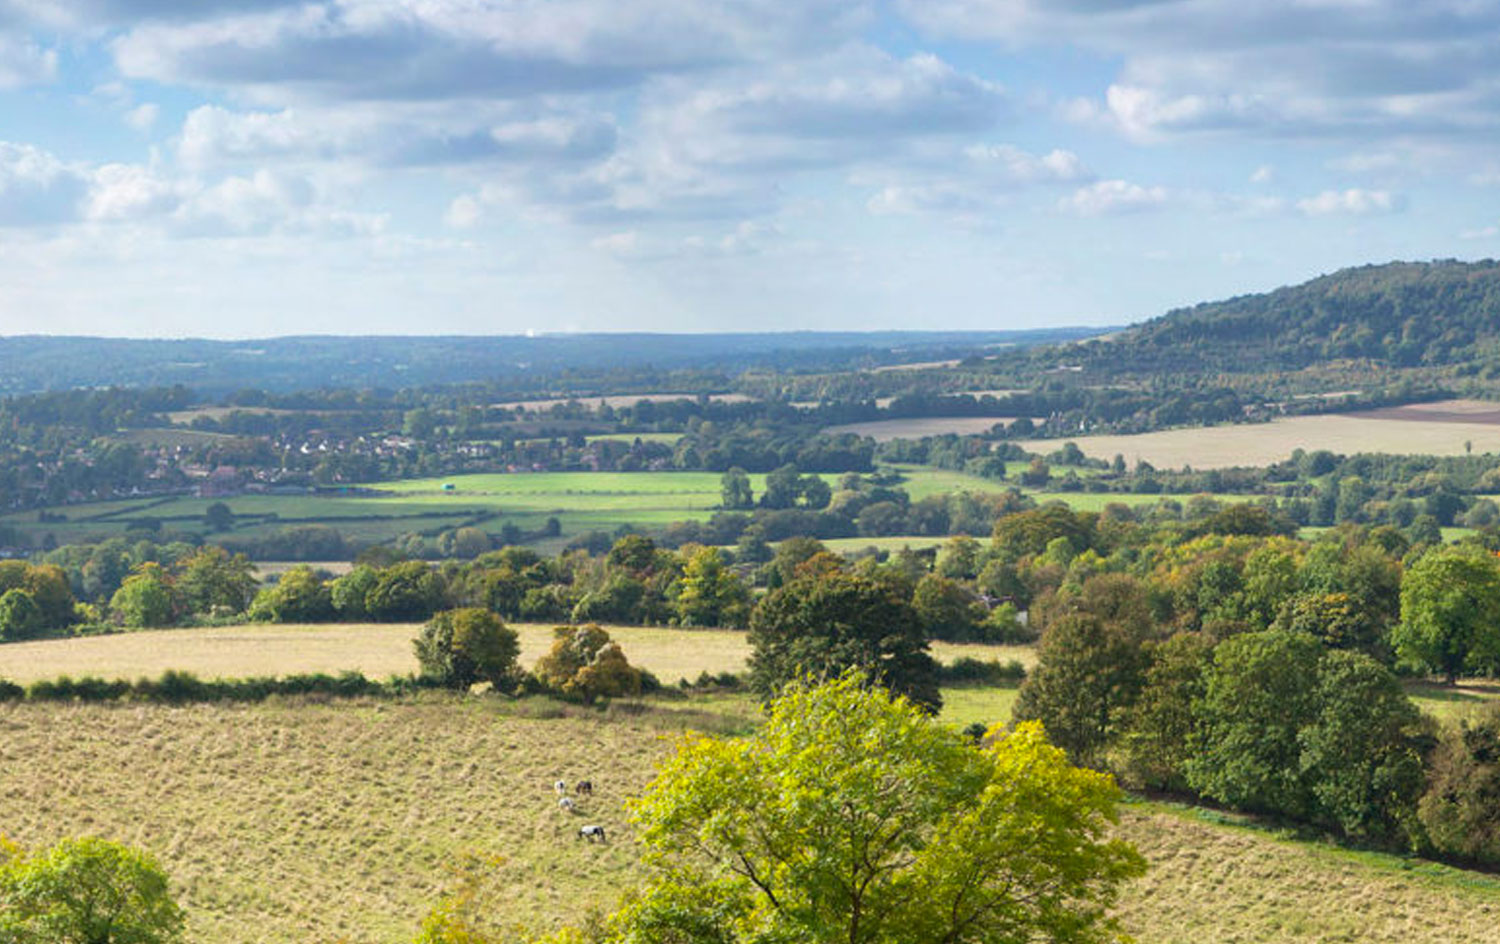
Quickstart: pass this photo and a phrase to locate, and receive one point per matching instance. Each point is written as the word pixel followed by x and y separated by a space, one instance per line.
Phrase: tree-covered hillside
pixel 1400 314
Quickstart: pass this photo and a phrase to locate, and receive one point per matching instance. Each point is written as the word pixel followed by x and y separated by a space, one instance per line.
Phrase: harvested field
pixel 1212 883
pixel 1440 411
pixel 296 822
pixel 1260 444
pixel 376 649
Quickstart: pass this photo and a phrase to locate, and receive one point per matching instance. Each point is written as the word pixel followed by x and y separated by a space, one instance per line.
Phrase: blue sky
pixel 249 168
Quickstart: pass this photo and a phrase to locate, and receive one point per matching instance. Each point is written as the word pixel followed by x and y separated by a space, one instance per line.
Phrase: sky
pixel 255 168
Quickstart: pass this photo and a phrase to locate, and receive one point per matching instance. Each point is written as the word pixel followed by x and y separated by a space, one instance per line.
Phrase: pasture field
pixel 376 649
pixel 1260 444
pixel 296 821
pixel 581 501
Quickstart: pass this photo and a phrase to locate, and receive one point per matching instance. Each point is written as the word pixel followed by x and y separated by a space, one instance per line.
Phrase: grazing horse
pixel 565 803
pixel 585 788
pixel 561 787
pixel 592 832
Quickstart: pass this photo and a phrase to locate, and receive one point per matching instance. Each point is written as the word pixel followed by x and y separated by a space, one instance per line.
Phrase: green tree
pixel 218 516
pixel 1450 613
pixel 1260 693
pixel 1335 619
pixel 1160 726
pixel 404 592
pixel 146 598
pixel 87 891
pixel 460 647
pixel 709 594
pixel 829 623
pixel 783 486
pixel 1363 751
pixel 298 597
pixel 961 558
pixel 1091 665
pixel 948 610
pixel 1459 812
pixel 816 493
pixel 851 816
pixel 349 592
pixel 213 579
pixel 734 490
pixel 20 617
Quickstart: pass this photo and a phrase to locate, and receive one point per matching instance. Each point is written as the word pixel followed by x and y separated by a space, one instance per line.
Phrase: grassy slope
pixel 295 822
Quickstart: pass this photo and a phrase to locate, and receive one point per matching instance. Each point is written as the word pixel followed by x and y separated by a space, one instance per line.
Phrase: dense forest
pixel 1396 315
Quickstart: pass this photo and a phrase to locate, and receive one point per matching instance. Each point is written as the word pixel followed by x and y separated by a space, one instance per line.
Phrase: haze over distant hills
pixel 1398 314
pixel 36 363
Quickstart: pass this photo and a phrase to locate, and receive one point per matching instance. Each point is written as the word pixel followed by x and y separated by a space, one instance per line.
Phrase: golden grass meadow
pixel 305 821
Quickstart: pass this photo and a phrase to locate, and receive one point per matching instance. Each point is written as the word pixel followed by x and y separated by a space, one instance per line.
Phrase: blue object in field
pixel 447 486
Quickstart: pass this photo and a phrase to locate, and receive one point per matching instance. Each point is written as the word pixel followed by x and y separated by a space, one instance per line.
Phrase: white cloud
pixel 1108 197
pixel 622 245
pixel 23 62
pixel 36 188
pixel 1020 167
pixel 1353 201
pixel 142 117
pixel 1484 232
pixel 1352 68
pixel 268 202
pixel 463 212
pixel 130 192
pixel 410 136
pixel 1263 174
pixel 415 50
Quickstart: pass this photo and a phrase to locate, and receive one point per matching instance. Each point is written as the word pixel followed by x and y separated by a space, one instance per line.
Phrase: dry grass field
pixel 1228 885
pixel 1258 444
pixel 376 649
pixel 305 822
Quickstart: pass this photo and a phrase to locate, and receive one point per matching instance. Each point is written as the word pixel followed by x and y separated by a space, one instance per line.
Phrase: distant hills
pixel 34 363
pixel 1400 314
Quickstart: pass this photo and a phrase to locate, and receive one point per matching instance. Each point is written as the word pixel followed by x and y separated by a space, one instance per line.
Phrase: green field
pixel 580 501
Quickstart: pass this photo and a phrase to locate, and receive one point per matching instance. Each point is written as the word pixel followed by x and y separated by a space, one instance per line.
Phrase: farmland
pixel 292 822
pixel 375 649
pixel 581 501
pixel 1420 429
